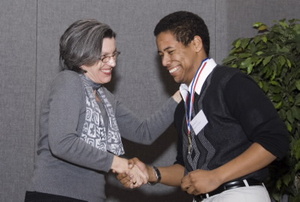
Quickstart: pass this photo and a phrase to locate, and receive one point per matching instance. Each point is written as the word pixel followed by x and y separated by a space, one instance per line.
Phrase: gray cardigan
pixel 65 164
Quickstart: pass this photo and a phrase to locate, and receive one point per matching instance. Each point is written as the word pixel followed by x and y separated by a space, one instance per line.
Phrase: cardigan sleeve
pixel 145 131
pixel 257 115
pixel 66 110
pixel 178 122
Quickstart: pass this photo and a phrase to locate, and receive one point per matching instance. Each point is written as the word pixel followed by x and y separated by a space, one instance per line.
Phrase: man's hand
pixel 254 158
pixel 136 175
pixel 200 182
pixel 139 164
pixel 124 179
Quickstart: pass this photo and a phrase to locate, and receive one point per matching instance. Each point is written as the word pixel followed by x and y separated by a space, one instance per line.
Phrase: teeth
pixel 106 70
pixel 173 70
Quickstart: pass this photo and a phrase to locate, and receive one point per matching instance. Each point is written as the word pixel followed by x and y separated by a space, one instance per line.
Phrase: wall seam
pixel 216 32
pixel 36 77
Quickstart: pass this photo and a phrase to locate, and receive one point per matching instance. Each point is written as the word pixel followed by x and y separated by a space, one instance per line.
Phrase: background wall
pixel 29 34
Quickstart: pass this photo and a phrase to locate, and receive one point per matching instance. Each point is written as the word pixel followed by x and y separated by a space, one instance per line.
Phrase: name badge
pixel 199 122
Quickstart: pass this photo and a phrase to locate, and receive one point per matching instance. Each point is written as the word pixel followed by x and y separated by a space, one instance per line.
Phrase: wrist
pixel 219 175
pixel 155 176
pixel 119 164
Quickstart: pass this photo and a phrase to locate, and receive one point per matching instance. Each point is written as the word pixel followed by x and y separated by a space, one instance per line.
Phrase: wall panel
pixel 17 96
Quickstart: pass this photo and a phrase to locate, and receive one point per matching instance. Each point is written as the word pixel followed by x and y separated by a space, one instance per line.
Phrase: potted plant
pixel 272 59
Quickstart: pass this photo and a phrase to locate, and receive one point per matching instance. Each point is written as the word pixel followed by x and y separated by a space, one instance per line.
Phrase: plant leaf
pixel 238 43
pixel 298 84
pixel 296 112
pixel 297 100
pixel 267 60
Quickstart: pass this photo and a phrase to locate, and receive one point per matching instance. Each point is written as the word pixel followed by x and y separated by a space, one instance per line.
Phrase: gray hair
pixel 81 44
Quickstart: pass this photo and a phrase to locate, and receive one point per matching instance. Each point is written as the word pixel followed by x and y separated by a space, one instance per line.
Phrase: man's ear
pixel 197 43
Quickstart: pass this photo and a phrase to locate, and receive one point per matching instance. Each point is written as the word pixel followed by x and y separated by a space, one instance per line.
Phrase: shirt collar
pixel 210 65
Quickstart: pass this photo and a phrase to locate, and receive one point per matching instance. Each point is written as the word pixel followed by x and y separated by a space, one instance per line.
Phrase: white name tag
pixel 198 122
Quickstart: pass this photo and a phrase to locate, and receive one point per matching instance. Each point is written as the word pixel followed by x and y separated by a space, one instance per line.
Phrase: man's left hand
pixel 199 182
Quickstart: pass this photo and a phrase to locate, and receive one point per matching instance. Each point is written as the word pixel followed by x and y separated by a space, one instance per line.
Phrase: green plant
pixel 272 59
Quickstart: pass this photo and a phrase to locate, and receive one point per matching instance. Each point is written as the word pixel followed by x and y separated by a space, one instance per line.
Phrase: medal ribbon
pixel 190 97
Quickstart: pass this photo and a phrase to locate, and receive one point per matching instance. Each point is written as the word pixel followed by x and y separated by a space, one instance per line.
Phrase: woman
pixel 81 123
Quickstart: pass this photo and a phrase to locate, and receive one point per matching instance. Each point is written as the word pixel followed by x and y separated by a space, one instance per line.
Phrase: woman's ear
pixel 84 68
pixel 197 43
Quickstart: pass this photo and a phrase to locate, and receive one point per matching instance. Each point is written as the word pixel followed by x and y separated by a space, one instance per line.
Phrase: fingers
pixel 188 186
pixel 185 183
pixel 131 163
pixel 177 96
pixel 121 176
pixel 124 179
pixel 133 177
pixel 137 162
pixel 190 189
pixel 142 166
pixel 138 178
pixel 134 161
pixel 198 182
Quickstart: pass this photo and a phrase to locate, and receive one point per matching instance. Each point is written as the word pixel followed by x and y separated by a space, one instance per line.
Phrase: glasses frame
pixel 106 58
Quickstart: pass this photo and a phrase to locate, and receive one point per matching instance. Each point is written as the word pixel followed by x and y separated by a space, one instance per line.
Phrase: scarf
pixel 94 130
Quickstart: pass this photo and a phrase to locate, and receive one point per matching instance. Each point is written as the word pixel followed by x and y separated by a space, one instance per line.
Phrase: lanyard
pixel 190 102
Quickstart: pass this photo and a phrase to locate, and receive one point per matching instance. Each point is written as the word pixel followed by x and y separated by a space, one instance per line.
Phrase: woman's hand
pixel 137 177
pixel 177 96
pixel 119 165
pixel 129 174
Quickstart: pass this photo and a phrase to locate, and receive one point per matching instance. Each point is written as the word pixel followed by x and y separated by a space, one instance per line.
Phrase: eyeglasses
pixel 106 58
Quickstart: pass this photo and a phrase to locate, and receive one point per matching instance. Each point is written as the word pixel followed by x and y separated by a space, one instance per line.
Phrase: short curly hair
pixel 185 26
pixel 81 44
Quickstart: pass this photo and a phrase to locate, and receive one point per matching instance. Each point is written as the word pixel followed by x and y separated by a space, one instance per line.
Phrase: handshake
pixel 136 173
pixel 133 173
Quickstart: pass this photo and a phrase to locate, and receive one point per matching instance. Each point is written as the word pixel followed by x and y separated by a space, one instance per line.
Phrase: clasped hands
pixel 135 176
pixel 195 182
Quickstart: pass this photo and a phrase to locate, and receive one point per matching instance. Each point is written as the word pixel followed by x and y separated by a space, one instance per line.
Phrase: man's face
pixel 180 60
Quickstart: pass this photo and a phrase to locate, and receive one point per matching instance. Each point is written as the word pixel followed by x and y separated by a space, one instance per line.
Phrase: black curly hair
pixel 185 26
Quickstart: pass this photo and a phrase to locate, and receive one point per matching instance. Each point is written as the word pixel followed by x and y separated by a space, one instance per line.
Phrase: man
pixel 229 131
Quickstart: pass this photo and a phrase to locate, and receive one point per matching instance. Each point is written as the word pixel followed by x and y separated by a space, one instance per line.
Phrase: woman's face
pixel 101 72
